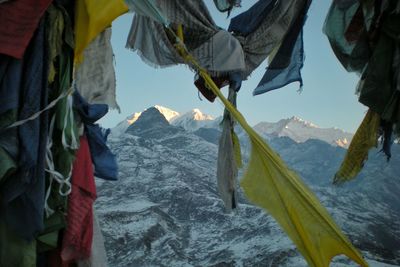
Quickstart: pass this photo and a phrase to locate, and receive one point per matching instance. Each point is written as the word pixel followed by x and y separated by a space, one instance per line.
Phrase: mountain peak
pixel 196 114
pixel 301 121
pixel 149 119
pixel 121 127
pixel 169 114
pixel 301 130
pixel 193 120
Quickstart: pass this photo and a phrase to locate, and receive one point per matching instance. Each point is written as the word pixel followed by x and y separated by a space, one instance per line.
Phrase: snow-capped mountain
pixel 300 130
pixel 194 120
pixel 295 128
pixel 165 209
pixel 121 127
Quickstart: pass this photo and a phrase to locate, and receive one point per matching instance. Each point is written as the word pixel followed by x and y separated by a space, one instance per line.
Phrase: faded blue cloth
pixel 105 163
pixel 23 193
pixel 10 82
pixel 246 22
pixel 286 66
pixel 275 78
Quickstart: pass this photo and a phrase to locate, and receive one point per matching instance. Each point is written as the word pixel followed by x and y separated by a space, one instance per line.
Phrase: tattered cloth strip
pixel 95 76
pixel 248 21
pixel 22 194
pixel 269 183
pixel 91 18
pixel 78 236
pixel 18 22
pixel 227 167
pixel 379 88
pixel 98 256
pixel 365 38
pixel 286 65
pixel 105 163
pixel 364 139
pixel 215 49
pixel 276 77
pixel 62 131
pixel 269 32
pixel 352 54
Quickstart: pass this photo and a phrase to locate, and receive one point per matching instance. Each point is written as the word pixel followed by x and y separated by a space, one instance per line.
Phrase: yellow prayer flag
pixel 270 184
pixel 364 139
pixel 91 18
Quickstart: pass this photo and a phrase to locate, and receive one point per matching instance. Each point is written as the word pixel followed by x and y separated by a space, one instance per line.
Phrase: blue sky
pixel 327 99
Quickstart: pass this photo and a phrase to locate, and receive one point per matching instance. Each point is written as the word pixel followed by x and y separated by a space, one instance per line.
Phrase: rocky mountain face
pixel 165 210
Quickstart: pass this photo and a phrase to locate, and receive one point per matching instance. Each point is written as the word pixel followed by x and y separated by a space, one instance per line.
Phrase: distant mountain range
pixel 165 209
pixel 295 128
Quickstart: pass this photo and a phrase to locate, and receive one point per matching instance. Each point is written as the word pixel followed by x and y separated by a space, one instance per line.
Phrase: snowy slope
pixel 193 120
pixel 300 131
pixel 165 209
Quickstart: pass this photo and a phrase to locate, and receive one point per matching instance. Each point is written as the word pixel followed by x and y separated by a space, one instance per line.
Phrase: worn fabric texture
pixel 153 42
pixel 365 138
pixel 275 78
pixel 91 18
pixel 95 76
pixel 286 65
pixel 22 194
pixel 216 50
pixel 259 43
pixel 105 163
pixel 364 36
pixel 379 84
pixel 78 236
pixel 352 54
pixel 224 56
pixel 59 159
pixel 269 183
pixel 227 169
pixel 98 256
pixel 249 20
pixel 18 22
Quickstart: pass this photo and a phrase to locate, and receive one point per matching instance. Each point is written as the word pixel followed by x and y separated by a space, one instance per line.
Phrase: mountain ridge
pixel 165 209
pixel 296 128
